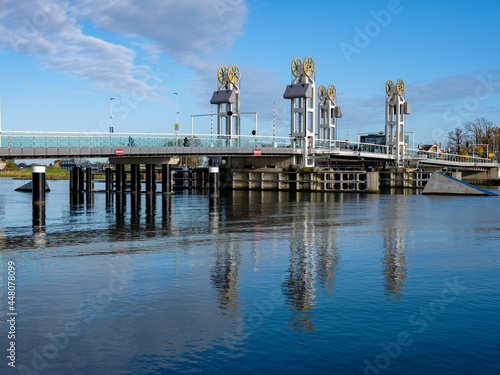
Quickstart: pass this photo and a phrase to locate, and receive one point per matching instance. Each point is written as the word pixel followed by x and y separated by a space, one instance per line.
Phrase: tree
pixel 456 141
pixel 11 165
pixel 481 131
pixel 193 161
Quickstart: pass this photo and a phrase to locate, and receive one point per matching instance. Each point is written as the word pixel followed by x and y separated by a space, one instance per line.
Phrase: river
pixel 251 283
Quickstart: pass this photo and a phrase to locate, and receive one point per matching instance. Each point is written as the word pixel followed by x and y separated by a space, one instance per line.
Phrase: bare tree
pixel 456 141
pixel 481 131
pixel 495 148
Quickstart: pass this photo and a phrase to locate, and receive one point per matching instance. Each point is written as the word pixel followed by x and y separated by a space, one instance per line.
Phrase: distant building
pixel 67 164
pixel 372 138
pixel 377 138
pixel 431 148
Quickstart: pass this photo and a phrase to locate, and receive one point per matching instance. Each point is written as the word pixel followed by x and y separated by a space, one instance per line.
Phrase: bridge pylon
pixel 328 113
pixel 227 98
pixel 396 108
pixel 301 93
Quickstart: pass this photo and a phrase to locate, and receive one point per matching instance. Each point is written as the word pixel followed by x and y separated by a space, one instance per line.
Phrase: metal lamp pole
pixel 111 115
pixel 176 108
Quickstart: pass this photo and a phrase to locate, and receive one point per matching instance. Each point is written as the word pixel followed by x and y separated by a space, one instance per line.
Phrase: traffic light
pixel 254 132
pixel 467 144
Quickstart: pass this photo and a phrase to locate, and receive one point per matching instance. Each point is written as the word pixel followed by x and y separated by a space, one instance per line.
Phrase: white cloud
pixel 188 31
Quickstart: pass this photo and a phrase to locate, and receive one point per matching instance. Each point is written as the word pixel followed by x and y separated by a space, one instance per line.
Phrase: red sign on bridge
pixel 257 152
pixel 119 151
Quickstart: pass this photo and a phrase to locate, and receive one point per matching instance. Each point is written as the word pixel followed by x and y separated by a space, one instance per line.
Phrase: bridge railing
pixel 420 154
pixel 76 140
pixel 353 146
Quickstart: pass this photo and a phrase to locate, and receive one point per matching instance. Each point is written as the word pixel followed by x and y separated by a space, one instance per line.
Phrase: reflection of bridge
pixel 40 145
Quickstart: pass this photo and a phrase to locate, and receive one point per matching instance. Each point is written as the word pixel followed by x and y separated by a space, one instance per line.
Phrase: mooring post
pixel 76 182
pixel 166 179
pixel 213 178
pixel 109 178
pixel 150 178
pixel 38 184
pixel 38 218
pixel 88 179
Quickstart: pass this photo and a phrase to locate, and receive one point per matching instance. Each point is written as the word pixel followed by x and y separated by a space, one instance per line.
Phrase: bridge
pixel 312 141
pixel 55 145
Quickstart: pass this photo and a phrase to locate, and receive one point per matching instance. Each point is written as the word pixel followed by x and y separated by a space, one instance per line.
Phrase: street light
pixel 176 111
pixel 111 115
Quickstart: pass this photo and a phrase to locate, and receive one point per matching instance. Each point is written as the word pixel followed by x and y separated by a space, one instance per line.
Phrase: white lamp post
pixel 111 115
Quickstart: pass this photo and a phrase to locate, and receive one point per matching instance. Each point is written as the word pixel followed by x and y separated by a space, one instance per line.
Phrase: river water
pixel 251 283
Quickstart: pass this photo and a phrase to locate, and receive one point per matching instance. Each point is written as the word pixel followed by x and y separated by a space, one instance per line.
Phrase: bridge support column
pixel 109 179
pixel 120 178
pixel 88 179
pixel 135 178
pixel 150 178
pixel 76 182
pixel 166 179
pixel 213 178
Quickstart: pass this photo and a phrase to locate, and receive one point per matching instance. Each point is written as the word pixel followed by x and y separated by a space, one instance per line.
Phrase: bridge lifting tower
pixel 301 93
pixel 396 108
pixel 227 98
pixel 328 113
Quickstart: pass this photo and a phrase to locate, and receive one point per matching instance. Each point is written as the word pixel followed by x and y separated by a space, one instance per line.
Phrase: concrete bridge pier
pixel 120 178
pixel 150 162
pixel 109 179
pixel 166 179
pixel 150 178
pixel 135 178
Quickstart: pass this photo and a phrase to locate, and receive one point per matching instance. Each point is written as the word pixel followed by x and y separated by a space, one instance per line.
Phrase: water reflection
pixel 76 201
pixel 394 260
pixel 120 208
pixel 225 274
pixel 298 287
pixel 328 259
pixel 150 214
pixel 39 235
pixel 135 212
pixel 166 213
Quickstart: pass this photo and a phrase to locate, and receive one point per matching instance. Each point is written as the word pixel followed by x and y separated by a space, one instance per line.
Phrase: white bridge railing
pixel 54 139
pixel 20 139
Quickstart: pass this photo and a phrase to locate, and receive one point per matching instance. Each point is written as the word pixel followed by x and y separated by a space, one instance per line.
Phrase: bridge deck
pixel 39 145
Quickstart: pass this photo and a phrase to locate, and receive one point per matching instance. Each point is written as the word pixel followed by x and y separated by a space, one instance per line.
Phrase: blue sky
pixel 61 61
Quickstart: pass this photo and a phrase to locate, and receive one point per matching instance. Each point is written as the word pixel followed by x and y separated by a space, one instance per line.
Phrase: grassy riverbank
pixel 50 173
